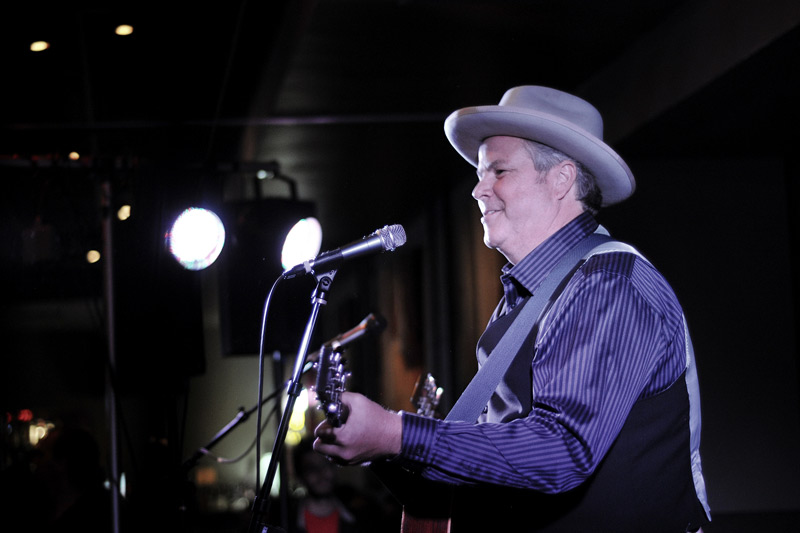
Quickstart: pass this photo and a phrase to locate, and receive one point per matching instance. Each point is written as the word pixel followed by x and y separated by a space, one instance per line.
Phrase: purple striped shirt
pixel 615 335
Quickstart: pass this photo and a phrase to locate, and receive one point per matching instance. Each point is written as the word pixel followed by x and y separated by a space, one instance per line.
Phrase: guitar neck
pixel 426 506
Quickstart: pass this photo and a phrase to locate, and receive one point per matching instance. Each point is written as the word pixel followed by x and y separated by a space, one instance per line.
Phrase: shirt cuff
pixel 419 434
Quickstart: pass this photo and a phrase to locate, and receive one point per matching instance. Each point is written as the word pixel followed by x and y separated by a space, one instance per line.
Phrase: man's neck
pixel 563 218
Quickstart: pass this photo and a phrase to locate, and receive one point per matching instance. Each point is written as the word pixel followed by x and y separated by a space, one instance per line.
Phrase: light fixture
pixel 39 46
pixel 124 29
pixel 302 242
pixel 124 212
pixel 265 174
pixel 261 235
pixel 196 238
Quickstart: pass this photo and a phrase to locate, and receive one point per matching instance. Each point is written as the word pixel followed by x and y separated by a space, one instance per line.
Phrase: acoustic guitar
pixel 426 505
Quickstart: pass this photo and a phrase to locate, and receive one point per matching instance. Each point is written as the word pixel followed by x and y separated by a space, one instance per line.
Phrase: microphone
pixel 372 323
pixel 381 240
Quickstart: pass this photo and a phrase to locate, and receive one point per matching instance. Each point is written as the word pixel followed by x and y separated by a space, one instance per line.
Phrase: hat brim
pixel 467 128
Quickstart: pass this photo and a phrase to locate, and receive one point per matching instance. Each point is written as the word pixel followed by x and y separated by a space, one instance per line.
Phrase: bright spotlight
pixel 196 238
pixel 302 242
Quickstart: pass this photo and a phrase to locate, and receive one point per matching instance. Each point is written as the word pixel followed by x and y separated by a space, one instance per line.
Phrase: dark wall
pixel 721 233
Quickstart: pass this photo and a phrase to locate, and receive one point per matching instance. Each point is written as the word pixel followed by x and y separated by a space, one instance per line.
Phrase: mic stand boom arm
pixel 261 501
pixel 241 417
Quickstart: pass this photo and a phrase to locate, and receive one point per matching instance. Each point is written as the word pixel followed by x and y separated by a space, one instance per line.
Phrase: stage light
pixel 196 238
pixel 302 242
pixel 265 174
pixel 256 245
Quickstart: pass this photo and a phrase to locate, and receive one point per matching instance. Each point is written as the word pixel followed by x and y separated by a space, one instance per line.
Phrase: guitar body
pixel 427 505
pixel 428 516
pixel 412 523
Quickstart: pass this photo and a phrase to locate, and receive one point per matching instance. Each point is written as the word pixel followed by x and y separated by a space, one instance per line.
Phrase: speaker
pixel 250 264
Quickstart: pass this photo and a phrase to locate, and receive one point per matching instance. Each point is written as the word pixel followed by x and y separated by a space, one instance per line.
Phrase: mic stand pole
pixel 110 384
pixel 261 501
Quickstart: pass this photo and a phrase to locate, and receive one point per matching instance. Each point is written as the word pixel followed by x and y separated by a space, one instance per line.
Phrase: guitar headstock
pixel 426 396
pixel 331 381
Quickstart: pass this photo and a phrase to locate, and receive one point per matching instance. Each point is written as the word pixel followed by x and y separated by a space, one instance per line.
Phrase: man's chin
pixel 487 240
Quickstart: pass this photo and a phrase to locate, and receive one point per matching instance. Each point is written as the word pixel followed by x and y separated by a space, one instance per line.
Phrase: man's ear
pixel 565 178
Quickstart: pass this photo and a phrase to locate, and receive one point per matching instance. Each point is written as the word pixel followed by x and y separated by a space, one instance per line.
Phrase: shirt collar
pixel 534 267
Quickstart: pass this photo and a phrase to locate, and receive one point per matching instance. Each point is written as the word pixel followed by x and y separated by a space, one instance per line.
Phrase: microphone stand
pixel 242 416
pixel 182 474
pixel 261 501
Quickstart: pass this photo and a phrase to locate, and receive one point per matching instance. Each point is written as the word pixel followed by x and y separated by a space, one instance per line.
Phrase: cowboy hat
pixel 555 118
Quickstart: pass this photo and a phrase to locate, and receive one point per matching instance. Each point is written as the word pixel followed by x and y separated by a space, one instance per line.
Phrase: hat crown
pixel 559 104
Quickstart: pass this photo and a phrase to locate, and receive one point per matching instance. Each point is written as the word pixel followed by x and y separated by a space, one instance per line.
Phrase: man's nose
pixel 481 190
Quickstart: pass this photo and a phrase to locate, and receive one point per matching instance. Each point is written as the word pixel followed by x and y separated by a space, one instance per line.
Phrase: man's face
pixel 517 202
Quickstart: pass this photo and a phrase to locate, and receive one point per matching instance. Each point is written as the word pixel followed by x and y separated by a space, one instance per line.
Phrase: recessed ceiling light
pixel 124 29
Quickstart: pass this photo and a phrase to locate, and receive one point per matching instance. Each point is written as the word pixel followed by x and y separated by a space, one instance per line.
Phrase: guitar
pixel 425 510
pixel 426 396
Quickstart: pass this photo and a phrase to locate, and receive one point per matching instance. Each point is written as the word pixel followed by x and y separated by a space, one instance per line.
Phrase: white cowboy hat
pixel 555 118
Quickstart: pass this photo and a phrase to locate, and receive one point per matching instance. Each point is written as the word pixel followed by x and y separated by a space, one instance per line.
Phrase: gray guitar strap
pixel 470 404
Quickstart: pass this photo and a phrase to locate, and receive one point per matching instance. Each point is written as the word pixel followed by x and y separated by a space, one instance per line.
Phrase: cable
pixel 261 379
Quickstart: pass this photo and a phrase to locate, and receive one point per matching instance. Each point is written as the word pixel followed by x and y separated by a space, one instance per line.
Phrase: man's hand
pixel 371 432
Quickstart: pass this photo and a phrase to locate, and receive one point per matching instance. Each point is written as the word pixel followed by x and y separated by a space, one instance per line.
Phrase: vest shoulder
pixel 614 262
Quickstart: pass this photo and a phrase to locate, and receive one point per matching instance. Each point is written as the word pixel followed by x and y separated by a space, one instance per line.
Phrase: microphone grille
pixel 392 236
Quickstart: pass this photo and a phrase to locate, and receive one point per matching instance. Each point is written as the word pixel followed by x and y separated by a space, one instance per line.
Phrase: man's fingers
pixel 324 434
pixel 326 438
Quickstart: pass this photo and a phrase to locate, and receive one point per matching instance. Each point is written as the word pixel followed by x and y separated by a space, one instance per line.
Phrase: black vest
pixel 643 484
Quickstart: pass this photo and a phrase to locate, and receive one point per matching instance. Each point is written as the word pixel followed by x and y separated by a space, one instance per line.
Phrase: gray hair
pixel 545 157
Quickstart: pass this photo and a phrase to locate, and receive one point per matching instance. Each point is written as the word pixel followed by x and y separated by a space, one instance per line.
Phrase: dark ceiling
pixel 349 96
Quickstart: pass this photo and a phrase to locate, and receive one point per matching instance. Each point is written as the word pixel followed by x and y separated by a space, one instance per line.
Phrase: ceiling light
pixel 124 29
pixel 39 46
pixel 124 212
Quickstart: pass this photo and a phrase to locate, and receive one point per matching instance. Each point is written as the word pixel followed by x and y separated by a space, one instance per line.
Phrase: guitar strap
pixel 472 401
